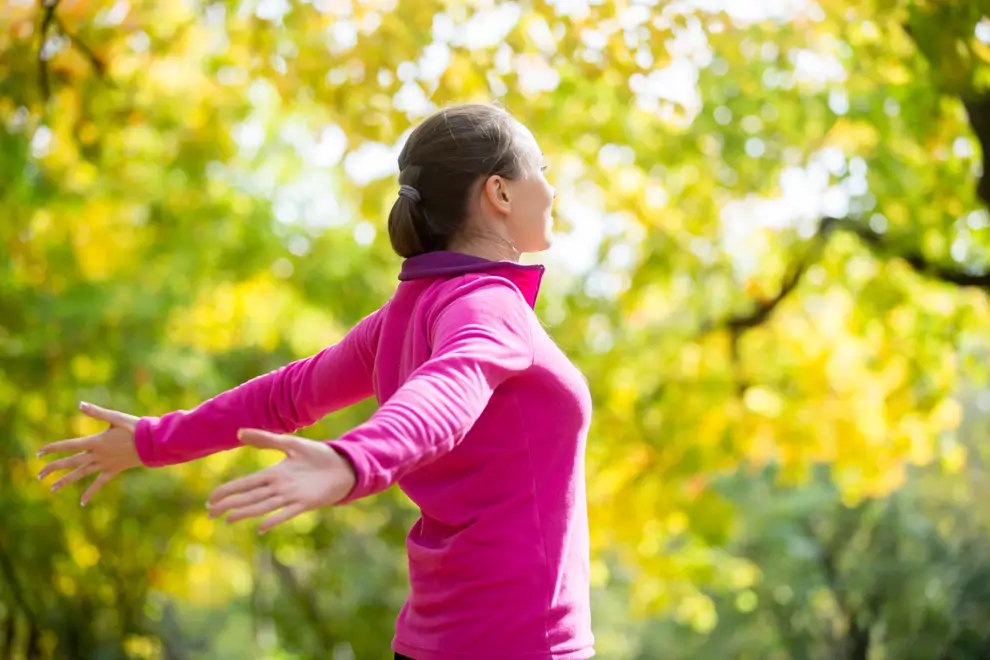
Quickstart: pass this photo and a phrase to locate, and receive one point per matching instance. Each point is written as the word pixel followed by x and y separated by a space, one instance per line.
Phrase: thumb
pixel 265 440
pixel 113 417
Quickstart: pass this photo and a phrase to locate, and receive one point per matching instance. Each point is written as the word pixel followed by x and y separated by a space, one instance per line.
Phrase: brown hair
pixel 440 164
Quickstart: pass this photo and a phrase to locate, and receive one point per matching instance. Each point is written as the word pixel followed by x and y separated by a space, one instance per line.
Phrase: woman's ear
pixel 497 193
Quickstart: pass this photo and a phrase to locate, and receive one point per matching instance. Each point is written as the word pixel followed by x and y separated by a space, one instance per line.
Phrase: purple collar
pixel 448 264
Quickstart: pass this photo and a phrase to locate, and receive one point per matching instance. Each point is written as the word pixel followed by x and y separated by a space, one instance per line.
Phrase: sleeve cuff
pixel 363 485
pixel 144 442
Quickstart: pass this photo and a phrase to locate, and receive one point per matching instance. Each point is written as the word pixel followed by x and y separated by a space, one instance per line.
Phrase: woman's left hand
pixel 312 475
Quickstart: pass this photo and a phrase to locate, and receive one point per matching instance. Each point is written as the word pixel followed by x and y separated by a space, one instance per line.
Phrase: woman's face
pixel 528 221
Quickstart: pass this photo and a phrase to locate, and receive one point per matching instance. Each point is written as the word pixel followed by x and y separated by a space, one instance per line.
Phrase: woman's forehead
pixel 526 141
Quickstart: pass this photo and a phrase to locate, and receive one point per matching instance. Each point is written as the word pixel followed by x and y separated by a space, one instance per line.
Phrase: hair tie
pixel 410 193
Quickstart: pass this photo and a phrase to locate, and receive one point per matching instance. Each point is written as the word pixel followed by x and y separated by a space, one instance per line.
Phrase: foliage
pixel 775 254
pixel 903 576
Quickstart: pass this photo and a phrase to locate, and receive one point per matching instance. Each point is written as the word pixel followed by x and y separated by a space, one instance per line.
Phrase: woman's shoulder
pixel 485 290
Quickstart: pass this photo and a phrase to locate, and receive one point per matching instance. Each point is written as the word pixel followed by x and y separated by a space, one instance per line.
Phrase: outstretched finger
pixel 73 461
pixel 75 476
pixel 273 503
pixel 101 479
pixel 288 513
pixel 113 417
pixel 259 494
pixel 75 444
pixel 266 440
pixel 242 485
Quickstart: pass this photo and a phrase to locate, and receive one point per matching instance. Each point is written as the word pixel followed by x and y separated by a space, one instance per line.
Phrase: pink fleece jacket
pixel 482 423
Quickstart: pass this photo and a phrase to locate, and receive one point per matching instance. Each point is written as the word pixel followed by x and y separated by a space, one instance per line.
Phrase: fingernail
pixel 83 405
pixel 240 432
pixel 40 454
pixel 54 488
pixel 82 502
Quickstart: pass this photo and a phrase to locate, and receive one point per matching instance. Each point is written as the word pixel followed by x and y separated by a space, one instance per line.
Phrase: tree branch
pixel 7 641
pixel 33 642
pixel 978 111
pixel 739 324
pixel 48 19
pixel 879 244
pixel 922 265
pixel 99 66
pixel 47 16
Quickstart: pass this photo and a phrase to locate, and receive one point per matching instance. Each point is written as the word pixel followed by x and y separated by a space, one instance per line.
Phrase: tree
pixel 902 576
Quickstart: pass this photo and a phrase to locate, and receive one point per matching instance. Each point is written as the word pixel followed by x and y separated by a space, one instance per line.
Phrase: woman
pixel 482 421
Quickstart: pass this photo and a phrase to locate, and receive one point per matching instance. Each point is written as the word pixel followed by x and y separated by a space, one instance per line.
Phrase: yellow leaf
pixel 946 416
pixel 853 137
pixel 953 459
pixel 763 401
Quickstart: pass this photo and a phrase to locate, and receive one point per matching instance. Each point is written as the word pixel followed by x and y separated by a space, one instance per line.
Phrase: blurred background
pixel 772 268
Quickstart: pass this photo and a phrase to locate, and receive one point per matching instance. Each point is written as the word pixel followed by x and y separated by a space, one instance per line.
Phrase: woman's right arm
pixel 282 401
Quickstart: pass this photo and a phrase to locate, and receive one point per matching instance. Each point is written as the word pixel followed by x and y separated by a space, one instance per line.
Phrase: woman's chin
pixel 539 242
pixel 548 235
pixel 547 242
pixel 538 246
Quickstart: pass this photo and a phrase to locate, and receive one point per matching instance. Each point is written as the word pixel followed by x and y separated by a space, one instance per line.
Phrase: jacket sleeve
pixel 479 340
pixel 282 401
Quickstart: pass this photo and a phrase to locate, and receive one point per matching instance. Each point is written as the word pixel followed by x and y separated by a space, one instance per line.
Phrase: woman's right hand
pixel 106 454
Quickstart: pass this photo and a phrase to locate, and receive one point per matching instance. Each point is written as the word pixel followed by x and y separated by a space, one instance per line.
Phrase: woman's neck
pixel 490 249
